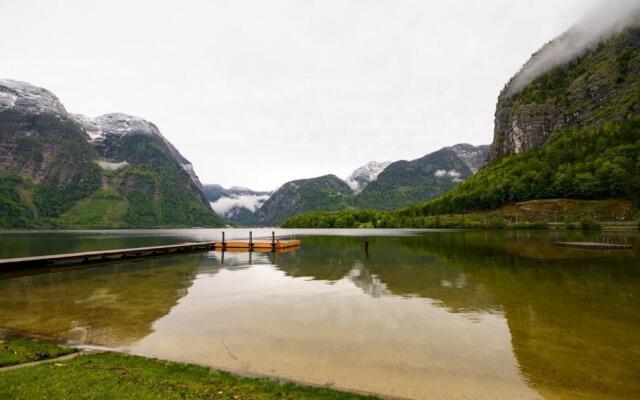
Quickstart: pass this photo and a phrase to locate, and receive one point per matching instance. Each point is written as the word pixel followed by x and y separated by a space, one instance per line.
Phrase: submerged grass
pixel 18 350
pixel 119 376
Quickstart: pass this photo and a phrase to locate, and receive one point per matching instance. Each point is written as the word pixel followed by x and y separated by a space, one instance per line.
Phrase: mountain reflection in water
pixel 440 314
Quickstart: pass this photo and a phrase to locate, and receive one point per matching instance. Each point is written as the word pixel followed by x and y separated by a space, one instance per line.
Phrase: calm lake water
pixel 425 315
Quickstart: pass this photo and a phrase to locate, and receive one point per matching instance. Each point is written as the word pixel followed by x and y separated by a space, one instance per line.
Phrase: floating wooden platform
pixel 256 245
pixel 90 257
pixel 593 245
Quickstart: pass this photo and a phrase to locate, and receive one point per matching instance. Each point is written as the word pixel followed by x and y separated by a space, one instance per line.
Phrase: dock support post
pixel 224 245
pixel 250 241
pixel 273 240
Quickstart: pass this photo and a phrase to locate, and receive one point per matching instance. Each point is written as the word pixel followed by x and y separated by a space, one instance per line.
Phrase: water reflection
pixel 439 315
pixel 112 305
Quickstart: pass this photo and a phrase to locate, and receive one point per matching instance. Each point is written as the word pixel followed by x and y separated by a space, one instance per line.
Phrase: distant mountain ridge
pixel 375 185
pixel 114 171
pixel 407 182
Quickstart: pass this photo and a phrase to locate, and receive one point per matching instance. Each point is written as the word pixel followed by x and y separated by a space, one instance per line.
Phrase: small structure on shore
pixel 594 245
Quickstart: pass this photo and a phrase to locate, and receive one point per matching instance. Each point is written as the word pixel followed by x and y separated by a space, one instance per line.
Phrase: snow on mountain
pixel 28 97
pixel 111 127
pixel 366 174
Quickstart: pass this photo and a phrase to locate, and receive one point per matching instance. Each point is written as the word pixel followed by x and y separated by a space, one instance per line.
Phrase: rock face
pixel 473 156
pixel 68 170
pixel 600 85
pixel 325 193
pixel 408 182
pixel 366 174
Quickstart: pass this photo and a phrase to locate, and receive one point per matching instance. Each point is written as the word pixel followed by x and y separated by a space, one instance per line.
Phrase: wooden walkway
pixel 593 245
pixel 101 256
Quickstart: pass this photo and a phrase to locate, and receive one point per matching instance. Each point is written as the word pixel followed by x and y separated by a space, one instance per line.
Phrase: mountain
pixel 236 205
pixel 570 132
pixel 366 174
pixel 597 87
pixel 407 182
pixel 114 171
pixel 376 185
pixel 473 156
pixel 325 193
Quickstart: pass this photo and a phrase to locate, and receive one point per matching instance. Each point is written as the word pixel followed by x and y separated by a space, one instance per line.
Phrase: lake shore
pixel 31 368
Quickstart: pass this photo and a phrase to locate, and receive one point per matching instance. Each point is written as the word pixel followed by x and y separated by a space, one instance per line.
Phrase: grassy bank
pixel 118 376
pixel 18 350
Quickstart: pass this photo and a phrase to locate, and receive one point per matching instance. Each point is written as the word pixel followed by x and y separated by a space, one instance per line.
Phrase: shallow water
pixel 451 315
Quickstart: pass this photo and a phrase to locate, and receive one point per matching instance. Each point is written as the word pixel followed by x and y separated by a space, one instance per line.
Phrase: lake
pixel 423 314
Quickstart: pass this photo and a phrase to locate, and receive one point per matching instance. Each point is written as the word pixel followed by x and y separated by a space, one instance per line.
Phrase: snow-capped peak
pixel 15 94
pixel 366 174
pixel 116 124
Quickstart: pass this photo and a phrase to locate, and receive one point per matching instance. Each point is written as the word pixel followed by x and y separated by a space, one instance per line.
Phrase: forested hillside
pixel 59 170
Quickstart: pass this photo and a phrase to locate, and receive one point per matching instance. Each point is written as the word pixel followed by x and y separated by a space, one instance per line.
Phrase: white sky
pixel 256 93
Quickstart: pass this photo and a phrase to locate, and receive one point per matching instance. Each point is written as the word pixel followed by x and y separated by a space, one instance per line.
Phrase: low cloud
pixel 224 205
pixel 605 20
pixel 452 173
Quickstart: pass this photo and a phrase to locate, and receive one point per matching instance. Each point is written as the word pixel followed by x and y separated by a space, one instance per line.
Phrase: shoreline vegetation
pixel 121 376
pixel 611 214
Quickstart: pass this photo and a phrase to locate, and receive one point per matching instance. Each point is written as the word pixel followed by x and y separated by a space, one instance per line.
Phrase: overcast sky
pixel 256 93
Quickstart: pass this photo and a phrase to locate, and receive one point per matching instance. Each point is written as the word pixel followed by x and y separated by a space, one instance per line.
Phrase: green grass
pixel 118 376
pixel 18 350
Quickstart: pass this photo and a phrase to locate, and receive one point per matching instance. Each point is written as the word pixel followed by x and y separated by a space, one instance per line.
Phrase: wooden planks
pixel 105 255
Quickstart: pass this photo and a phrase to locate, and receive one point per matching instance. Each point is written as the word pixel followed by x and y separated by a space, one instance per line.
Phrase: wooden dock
pixel 103 255
pixel 594 245
pixel 91 257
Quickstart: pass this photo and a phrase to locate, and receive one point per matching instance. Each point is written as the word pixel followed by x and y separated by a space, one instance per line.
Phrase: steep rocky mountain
pixel 407 182
pixel 64 170
pixel 325 193
pixel 236 205
pixel 366 174
pixel 572 131
pixel 600 86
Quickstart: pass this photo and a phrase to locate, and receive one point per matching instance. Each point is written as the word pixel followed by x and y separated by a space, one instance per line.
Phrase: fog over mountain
pixel 602 22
